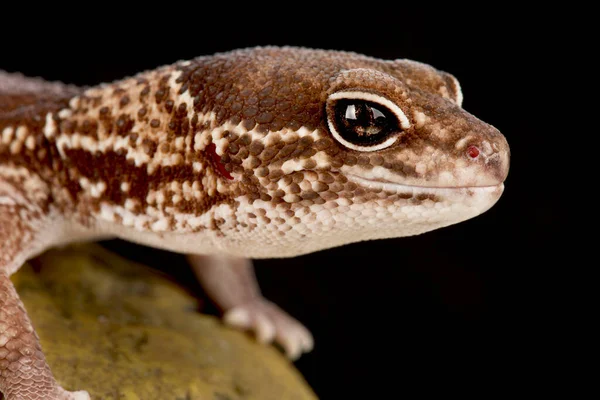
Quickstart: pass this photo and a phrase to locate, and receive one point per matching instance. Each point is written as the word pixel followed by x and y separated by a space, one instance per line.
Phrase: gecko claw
pixel 271 324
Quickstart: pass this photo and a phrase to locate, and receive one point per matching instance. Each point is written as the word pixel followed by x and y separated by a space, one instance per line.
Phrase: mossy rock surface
pixel 123 331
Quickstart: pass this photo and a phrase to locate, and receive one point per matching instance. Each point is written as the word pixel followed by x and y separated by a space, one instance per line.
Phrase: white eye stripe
pixel 355 95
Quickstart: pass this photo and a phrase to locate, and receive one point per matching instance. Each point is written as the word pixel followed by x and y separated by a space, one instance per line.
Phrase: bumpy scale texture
pixel 22 364
pixel 242 154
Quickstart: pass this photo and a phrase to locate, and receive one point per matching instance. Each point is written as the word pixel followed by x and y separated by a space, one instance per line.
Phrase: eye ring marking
pixel 391 109
pixel 356 95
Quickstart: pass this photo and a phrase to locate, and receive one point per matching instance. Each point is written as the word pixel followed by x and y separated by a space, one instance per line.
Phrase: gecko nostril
pixel 473 152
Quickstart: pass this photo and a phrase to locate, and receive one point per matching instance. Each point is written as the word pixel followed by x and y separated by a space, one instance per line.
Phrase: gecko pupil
pixel 363 122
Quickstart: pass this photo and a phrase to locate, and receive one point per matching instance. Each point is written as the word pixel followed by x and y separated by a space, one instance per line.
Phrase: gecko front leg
pixel 231 284
pixel 24 372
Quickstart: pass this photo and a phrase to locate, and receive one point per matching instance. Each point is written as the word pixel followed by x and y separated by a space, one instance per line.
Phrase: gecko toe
pixel 80 395
pixel 296 340
pixel 61 394
pixel 292 346
pixel 238 317
pixel 265 330
pixel 270 324
pixel 308 342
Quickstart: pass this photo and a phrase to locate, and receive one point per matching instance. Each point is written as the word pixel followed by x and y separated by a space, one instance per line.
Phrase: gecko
pixel 262 152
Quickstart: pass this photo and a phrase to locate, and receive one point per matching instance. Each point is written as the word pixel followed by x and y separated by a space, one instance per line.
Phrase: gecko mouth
pixel 432 190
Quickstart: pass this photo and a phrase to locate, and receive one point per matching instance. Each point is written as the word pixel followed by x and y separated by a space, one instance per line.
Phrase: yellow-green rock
pixel 123 331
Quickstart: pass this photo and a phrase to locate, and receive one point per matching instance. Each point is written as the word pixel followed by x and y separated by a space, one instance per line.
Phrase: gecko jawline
pixel 434 190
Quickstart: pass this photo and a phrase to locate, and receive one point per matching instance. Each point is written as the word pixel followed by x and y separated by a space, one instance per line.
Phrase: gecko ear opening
pixel 211 150
pixel 364 121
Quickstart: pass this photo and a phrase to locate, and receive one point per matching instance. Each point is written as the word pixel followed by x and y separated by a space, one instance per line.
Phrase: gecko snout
pixel 492 155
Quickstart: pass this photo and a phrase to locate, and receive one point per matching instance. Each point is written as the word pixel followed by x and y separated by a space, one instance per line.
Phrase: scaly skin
pixel 264 152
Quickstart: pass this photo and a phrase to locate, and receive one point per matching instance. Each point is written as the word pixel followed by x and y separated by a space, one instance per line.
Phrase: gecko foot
pixel 270 323
pixel 79 395
pixel 66 395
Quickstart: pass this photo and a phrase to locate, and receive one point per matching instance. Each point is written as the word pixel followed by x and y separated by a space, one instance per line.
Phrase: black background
pixel 464 309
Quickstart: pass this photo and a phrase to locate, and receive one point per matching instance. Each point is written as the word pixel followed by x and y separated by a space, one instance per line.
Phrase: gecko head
pixel 421 132
pixel 321 149
pixel 405 132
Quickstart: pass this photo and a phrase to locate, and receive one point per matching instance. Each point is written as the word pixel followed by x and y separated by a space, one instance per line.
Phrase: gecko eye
pixel 364 121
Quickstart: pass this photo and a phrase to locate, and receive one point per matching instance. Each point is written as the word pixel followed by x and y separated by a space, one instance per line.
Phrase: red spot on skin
pixel 216 159
pixel 473 152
